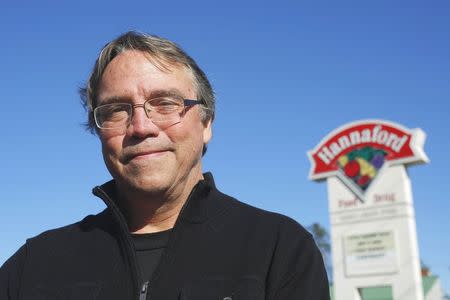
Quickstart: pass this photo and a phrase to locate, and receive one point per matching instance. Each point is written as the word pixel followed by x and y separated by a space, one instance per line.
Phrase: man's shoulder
pixel 244 212
pixel 219 204
pixel 69 233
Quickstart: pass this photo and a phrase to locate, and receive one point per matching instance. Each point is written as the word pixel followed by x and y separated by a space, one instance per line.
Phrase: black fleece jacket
pixel 219 248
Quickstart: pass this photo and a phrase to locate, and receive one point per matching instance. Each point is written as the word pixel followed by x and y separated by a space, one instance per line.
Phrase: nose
pixel 140 125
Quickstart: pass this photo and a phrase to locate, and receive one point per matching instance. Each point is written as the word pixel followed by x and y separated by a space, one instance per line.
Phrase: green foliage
pixel 322 239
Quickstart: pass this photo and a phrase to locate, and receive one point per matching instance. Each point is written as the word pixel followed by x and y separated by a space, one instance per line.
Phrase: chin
pixel 143 177
pixel 155 184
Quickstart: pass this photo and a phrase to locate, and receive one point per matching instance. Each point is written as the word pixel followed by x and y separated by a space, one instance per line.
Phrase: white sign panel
pixel 370 253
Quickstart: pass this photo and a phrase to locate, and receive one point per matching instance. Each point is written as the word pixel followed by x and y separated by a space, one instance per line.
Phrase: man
pixel 167 232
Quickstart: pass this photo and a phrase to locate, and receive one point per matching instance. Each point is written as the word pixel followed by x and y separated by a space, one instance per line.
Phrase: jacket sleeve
pixel 297 271
pixel 10 275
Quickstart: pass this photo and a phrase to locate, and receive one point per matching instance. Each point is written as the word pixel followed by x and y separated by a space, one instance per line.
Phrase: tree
pixel 424 268
pixel 322 239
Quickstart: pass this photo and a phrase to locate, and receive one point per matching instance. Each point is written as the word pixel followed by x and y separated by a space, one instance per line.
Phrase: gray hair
pixel 162 53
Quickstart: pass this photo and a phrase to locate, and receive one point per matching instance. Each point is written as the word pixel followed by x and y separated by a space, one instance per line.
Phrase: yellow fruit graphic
pixel 343 160
pixel 366 168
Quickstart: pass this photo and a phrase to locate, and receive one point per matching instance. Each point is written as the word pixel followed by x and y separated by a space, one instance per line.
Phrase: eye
pixel 113 112
pixel 164 105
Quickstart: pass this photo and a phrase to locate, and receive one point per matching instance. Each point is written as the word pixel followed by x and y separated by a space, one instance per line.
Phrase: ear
pixel 207 131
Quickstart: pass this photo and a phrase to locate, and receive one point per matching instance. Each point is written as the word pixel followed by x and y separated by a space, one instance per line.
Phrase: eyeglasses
pixel 163 111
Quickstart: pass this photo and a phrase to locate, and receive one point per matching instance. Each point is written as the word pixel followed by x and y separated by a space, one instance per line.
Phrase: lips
pixel 144 154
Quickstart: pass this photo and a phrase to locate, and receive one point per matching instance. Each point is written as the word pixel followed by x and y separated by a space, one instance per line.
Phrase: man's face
pixel 143 156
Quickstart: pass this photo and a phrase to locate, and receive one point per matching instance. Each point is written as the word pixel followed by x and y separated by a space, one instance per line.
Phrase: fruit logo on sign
pixel 357 153
pixel 362 165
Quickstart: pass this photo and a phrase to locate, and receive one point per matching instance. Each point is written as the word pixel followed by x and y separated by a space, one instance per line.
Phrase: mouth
pixel 145 155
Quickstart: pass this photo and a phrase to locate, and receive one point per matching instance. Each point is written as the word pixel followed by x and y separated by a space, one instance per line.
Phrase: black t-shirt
pixel 149 248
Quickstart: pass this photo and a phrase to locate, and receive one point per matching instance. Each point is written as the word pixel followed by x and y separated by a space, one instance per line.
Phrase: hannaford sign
pixel 373 229
pixel 357 152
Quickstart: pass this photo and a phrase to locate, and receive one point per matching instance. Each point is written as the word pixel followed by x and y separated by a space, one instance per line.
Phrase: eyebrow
pixel 153 94
pixel 162 93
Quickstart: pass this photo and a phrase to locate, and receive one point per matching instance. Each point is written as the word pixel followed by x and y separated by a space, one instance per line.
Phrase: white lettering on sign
pixel 377 136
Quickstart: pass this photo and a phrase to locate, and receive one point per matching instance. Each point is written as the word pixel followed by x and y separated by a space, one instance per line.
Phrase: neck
pixel 153 212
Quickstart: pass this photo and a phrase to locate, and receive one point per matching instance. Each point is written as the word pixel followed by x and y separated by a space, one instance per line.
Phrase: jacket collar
pixel 197 209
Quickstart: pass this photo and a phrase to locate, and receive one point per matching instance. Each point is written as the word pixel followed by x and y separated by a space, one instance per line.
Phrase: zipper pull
pixel 143 291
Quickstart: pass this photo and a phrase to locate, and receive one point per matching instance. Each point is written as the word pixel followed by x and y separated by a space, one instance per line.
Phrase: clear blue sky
pixel 286 73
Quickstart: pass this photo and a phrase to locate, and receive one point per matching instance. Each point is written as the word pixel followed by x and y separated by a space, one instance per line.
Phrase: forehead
pixel 134 74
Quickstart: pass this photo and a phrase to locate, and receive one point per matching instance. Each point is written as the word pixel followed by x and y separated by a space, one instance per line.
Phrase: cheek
pixel 194 145
pixel 189 143
pixel 111 147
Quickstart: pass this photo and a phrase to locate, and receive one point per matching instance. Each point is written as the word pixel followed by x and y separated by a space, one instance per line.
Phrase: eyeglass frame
pixel 186 103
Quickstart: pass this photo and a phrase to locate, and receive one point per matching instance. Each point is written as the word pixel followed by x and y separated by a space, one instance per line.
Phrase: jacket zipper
pixel 144 289
pixel 135 279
